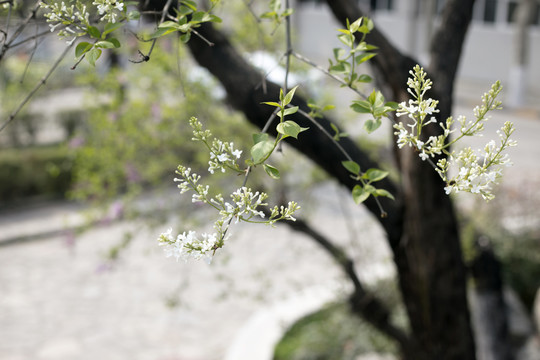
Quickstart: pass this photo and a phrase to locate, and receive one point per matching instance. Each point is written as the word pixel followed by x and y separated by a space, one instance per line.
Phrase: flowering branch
pixel 477 171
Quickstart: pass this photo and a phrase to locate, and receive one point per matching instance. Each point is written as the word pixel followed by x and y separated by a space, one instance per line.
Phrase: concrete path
pixel 61 298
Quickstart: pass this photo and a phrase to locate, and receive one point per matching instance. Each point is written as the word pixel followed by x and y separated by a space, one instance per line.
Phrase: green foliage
pixel 38 171
pixel 347 60
pixel 136 132
pixel 375 105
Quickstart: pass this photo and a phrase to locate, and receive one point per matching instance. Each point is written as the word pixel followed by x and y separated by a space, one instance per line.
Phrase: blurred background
pixel 86 187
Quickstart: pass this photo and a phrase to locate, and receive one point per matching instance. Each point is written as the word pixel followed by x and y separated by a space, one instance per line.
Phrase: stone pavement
pixel 61 298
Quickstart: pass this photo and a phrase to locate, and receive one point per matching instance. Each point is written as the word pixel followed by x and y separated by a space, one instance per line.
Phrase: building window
pixel 490 11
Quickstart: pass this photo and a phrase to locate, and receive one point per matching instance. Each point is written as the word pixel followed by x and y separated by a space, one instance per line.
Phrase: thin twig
pixel 30 58
pixel 19 30
pixel 208 42
pixel 37 35
pixel 145 58
pixel 383 213
pixel 363 302
pixel 320 68
pixel 38 85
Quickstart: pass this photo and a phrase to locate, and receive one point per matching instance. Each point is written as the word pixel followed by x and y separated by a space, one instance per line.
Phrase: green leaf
pixel 115 42
pixel 289 128
pixel 339 53
pixel 375 175
pixel 105 45
pixel 376 99
pixel 184 38
pixel 392 105
pixel 162 32
pixel 361 106
pixel 364 78
pixel 288 98
pixel 272 103
pixel 82 48
pixel 346 39
pixel 93 32
pixel 93 55
pixel 287 12
pixel 169 25
pixel 336 131
pixel 355 25
pixel 134 15
pixel 383 192
pixel 359 194
pixel 290 110
pixel 215 19
pixel 257 138
pixel 372 124
pixel 191 4
pixel 271 171
pixel 183 11
pixel 339 68
pixel 110 27
pixel 364 57
pixel 261 150
pixel 351 166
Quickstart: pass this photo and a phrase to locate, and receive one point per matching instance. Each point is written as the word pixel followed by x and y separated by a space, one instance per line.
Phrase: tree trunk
pixel 421 225
pixel 431 271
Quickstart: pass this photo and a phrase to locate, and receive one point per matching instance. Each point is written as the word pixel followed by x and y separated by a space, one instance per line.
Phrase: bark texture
pixel 428 255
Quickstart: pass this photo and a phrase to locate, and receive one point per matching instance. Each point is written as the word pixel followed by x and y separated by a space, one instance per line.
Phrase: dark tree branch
pixel 362 301
pixel 446 49
pixel 245 93
pixel 428 254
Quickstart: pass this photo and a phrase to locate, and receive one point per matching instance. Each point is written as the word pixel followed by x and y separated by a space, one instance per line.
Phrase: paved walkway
pixel 61 298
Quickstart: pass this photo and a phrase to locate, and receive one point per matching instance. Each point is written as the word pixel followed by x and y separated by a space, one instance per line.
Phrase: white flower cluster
pixel 223 155
pixel 73 17
pixel 189 244
pixel 109 9
pixel 244 206
pixel 474 175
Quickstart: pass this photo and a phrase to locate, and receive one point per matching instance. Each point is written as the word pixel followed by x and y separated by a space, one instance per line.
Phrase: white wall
pixel 487 56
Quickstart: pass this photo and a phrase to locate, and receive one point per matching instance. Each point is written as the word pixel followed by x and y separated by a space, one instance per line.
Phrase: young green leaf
pixel 359 194
pixel 184 38
pixel 375 175
pixel 82 48
pixel 110 27
pixel 272 103
pixel 289 128
pixel 93 55
pixel 290 110
pixel 105 45
pixel 257 138
pixel 372 124
pixel 271 171
pixel 93 32
pixel 361 106
pixel 351 166
pixel 261 150
pixel 288 98
pixel 383 192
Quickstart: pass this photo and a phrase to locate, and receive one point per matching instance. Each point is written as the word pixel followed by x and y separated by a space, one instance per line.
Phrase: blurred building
pixel 503 42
